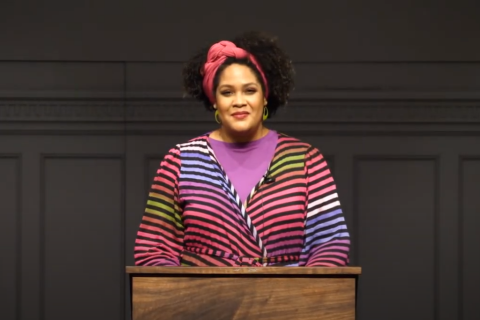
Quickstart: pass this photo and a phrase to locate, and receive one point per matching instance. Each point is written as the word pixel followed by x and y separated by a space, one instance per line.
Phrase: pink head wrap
pixel 217 54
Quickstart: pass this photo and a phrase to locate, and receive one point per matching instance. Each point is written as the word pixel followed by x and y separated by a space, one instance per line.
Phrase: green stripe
pixel 161 206
pixel 289 166
pixel 175 218
pixel 298 158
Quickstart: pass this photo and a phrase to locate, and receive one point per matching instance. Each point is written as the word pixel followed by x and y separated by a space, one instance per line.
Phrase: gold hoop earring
pixel 217 118
pixel 265 113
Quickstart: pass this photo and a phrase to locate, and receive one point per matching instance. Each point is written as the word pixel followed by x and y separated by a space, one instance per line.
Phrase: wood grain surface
pixel 234 294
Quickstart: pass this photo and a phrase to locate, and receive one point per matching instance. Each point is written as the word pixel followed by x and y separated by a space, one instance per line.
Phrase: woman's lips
pixel 240 115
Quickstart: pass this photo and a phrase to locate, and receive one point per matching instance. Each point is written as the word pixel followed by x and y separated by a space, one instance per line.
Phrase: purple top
pixel 245 163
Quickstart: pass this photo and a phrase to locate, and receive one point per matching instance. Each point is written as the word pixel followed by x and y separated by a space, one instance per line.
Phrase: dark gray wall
pixel 370 30
pixel 90 101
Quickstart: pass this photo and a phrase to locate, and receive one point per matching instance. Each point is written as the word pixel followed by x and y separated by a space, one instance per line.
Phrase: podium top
pixel 246 270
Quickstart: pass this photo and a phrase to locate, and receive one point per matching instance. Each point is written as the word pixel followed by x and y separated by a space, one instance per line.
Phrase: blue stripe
pixel 320 240
pixel 325 224
pixel 324 215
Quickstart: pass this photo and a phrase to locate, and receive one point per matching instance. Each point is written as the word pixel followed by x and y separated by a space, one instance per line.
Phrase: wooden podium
pixel 218 293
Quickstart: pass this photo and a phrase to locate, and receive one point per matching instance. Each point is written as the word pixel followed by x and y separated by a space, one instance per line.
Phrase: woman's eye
pixel 249 91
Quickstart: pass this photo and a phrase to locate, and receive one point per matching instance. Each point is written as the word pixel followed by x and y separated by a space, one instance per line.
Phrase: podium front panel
pixel 244 295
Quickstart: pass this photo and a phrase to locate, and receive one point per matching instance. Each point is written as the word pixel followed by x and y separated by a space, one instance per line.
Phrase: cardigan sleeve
pixel 327 240
pixel 159 240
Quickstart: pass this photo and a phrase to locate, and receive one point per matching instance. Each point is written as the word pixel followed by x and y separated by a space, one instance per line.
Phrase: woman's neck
pixel 224 135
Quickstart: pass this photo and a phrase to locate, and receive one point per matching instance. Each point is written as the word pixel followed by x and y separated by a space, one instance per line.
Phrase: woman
pixel 242 195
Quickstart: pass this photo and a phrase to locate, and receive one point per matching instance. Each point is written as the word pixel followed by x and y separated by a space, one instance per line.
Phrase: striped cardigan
pixel 194 217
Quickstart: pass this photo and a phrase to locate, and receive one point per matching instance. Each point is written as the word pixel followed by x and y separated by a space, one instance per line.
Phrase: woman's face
pixel 240 101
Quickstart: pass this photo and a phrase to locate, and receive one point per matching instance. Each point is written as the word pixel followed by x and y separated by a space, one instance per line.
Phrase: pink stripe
pixel 317 195
pixel 329 253
pixel 162 188
pixel 220 202
pixel 283 193
pixel 345 242
pixel 222 231
pixel 155 232
pixel 207 207
pixel 154 238
pixel 163 174
pixel 316 168
pixel 316 184
pixel 330 248
pixel 267 212
pixel 339 262
pixel 283 218
pixel 158 222
pixel 195 218
pixel 205 238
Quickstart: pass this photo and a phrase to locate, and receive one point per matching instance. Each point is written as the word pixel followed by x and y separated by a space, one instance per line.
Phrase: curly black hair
pixel 275 63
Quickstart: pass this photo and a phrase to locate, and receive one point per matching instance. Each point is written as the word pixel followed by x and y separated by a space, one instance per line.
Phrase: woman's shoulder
pixel 198 142
pixel 295 144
